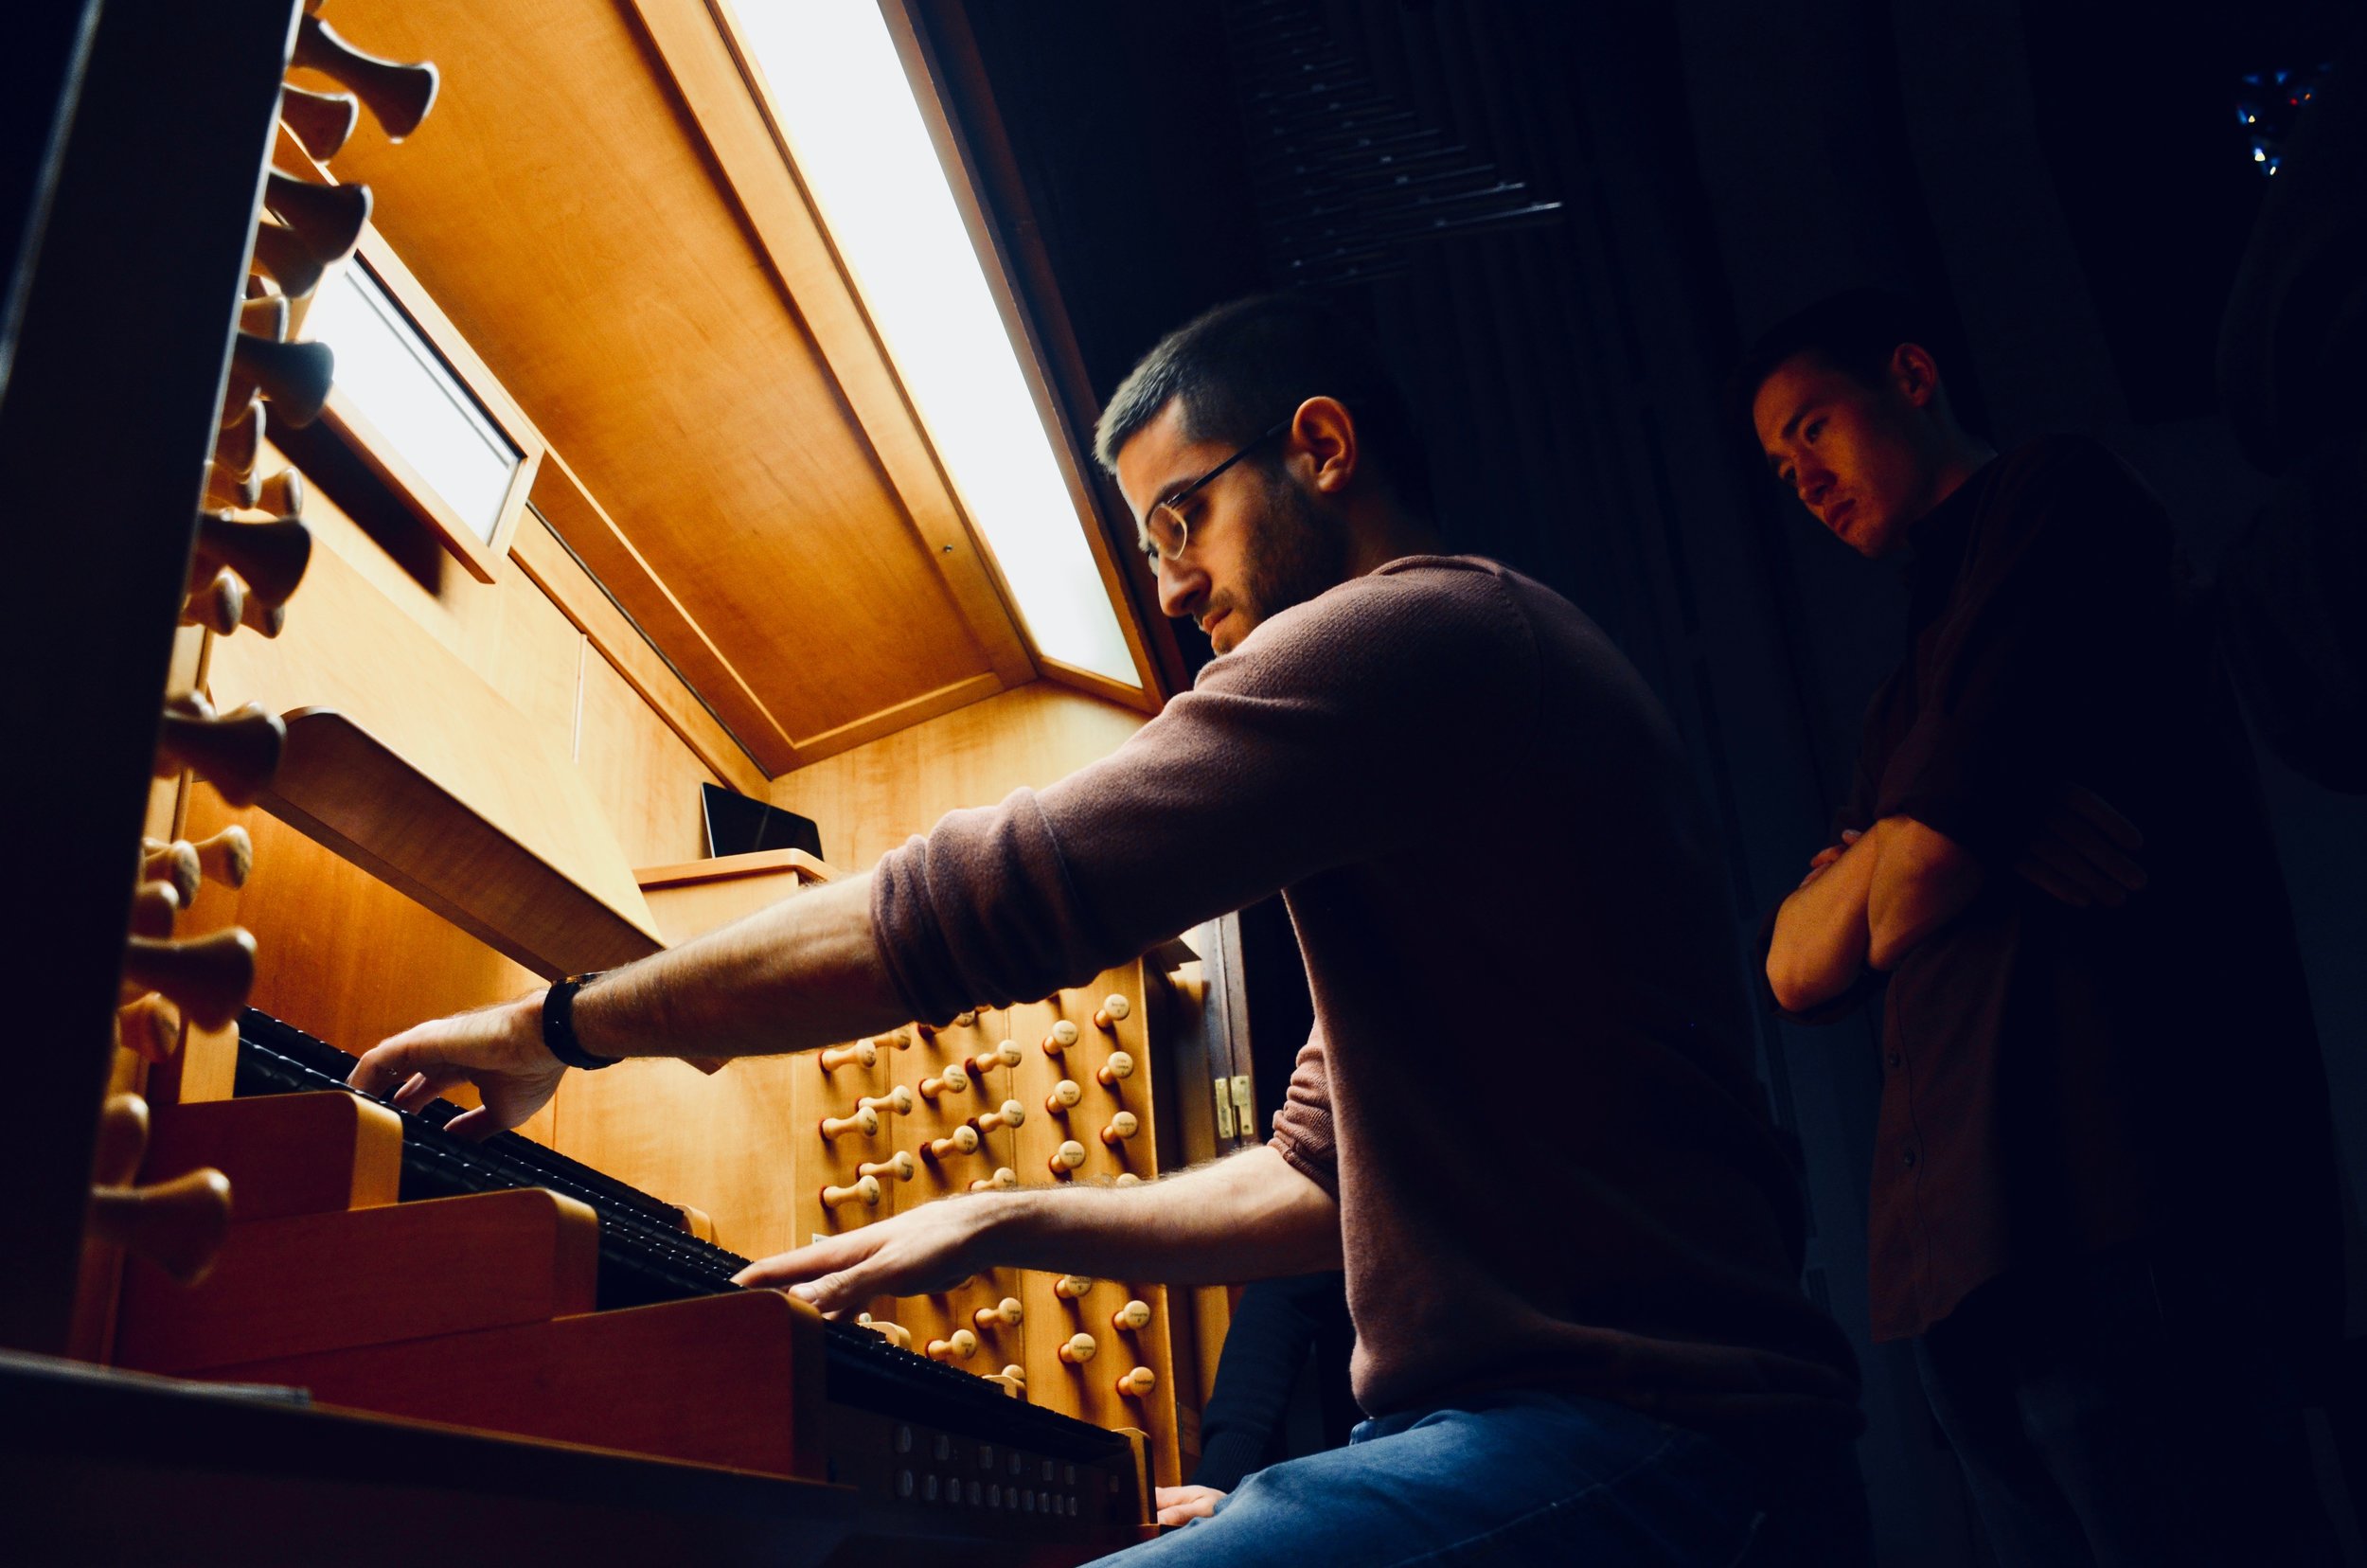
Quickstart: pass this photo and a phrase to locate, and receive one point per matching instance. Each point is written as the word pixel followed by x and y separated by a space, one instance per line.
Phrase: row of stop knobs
pixel 967 1138
pixel 1079 1348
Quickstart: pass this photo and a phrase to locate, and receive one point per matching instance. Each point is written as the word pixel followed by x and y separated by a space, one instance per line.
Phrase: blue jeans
pixel 1519 1477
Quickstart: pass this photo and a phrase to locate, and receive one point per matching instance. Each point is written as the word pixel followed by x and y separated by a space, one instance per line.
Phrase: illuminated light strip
pixel 840 96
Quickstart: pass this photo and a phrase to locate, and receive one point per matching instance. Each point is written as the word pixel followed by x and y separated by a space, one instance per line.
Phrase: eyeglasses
pixel 1166 531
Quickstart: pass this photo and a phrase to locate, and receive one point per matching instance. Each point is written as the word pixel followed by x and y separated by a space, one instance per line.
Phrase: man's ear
pixel 1915 374
pixel 1324 431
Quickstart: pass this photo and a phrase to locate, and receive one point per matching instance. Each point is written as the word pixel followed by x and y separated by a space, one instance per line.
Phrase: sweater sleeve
pixel 1301 1129
pixel 1310 746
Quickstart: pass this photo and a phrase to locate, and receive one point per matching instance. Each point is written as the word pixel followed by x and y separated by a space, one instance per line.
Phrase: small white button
pixel 985 1457
pixel 903 1438
pixel 903 1483
pixel 994 1494
pixel 945 1448
pixel 973 1494
pixel 929 1488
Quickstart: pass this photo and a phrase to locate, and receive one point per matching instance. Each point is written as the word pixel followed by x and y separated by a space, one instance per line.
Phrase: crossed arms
pixel 1877 896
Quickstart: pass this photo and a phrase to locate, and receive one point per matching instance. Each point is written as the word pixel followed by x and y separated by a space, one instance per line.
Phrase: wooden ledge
pixel 341 786
pixel 722 868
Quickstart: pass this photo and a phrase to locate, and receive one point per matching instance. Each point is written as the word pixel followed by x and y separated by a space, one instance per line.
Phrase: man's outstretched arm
pixel 1250 1216
pixel 797 974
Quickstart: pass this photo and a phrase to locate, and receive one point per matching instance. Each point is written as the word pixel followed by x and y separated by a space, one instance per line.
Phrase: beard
pixel 1298 548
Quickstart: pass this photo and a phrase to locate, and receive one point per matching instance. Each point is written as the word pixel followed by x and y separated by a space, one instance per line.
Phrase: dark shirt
pixel 2059 1080
pixel 1280 1328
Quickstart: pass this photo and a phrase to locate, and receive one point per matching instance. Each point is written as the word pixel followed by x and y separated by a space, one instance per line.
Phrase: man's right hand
pixel 920 1252
pixel 2085 852
pixel 1182 1504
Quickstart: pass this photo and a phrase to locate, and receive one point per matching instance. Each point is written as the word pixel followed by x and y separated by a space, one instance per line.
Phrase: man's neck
pixel 1387 534
pixel 1961 457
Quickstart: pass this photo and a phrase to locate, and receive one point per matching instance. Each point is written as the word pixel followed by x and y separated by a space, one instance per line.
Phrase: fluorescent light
pixel 841 98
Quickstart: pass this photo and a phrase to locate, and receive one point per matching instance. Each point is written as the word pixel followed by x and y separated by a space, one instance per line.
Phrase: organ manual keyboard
pixel 588 1311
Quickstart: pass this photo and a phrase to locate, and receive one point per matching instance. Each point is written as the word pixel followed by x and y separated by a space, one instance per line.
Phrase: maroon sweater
pixel 1530 1084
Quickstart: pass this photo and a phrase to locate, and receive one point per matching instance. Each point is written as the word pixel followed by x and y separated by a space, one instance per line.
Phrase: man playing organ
pixel 1584 1346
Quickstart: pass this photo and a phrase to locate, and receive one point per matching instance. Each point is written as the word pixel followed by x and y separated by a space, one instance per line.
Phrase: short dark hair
pixel 1237 369
pixel 1856 332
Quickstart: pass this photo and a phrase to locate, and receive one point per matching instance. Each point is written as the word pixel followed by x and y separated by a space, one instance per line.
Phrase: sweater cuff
pixel 1229 1459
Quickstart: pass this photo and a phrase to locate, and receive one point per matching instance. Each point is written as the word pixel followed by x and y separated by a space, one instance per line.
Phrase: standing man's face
pixel 1259 544
pixel 1863 459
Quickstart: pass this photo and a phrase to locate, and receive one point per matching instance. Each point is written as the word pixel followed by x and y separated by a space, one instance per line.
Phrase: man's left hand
pixel 498 1048
pixel 1182 1504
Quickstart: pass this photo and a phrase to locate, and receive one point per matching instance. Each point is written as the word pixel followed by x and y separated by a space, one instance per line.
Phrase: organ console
pixel 280 1232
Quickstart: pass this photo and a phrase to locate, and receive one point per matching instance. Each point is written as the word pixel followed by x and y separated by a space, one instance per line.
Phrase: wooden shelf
pixel 528 883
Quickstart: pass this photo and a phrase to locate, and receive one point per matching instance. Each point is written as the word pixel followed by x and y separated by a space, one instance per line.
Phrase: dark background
pixel 2067 180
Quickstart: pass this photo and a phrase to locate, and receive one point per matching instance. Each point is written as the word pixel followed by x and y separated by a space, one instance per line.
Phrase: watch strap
pixel 559 1025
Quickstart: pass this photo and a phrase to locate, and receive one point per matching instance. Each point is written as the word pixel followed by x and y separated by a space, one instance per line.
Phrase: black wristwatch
pixel 559 1025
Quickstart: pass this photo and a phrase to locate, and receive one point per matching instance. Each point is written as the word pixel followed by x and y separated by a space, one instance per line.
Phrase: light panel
pixel 841 98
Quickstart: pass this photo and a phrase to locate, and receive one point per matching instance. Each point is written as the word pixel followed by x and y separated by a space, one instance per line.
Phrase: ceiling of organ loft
pixel 599 205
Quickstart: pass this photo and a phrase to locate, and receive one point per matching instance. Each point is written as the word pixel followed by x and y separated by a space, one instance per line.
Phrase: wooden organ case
pixel 400 769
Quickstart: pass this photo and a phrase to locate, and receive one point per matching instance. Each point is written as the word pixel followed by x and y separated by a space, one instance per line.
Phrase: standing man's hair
pixel 1855 333
pixel 1244 366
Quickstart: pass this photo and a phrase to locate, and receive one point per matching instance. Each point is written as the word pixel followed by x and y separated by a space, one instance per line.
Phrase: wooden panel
pixel 572 591
pixel 577 237
pixel 643 778
pixel 284 1153
pixel 323 1281
pixel 727 1145
pixel 870 800
pixel 349 647
pixel 713 1380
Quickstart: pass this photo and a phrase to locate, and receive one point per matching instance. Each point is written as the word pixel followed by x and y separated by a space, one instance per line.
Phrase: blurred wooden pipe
pixel 153 906
pixel 178 1225
pixel 226 858
pixel 271 558
pixel 209 976
pixel 174 865
pixel 327 218
pixel 292 377
pixel 149 1028
pixel 217 604
pixel 240 443
pixel 320 122
pixel 235 752
pixel 398 96
pixel 233 490
pixel 122 1141
pixel 284 258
